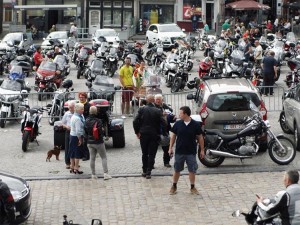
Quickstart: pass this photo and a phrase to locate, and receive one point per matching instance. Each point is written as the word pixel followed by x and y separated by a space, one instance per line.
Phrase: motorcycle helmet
pixel 191 84
pixel 67 84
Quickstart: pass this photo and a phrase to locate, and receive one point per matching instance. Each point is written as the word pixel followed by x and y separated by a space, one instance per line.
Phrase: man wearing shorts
pixel 126 73
pixel 186 132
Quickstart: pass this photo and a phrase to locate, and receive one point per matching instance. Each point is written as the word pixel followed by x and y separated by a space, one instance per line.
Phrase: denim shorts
pixel 190 161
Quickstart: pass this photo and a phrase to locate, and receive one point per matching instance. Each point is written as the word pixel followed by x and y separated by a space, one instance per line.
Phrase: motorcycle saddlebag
pixel 59 134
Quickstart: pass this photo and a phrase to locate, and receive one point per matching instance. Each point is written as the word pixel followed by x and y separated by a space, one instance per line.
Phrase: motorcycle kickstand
pixel 242 160
pixel 37 142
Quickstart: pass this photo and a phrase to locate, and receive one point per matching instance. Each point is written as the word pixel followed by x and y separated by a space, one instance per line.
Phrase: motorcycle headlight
pixel 49 77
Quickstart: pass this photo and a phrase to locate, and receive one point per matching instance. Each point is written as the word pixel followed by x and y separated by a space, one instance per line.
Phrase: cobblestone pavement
pixel 135 200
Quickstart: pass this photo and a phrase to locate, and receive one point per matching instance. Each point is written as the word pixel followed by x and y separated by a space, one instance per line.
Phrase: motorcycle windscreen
pixel 227 111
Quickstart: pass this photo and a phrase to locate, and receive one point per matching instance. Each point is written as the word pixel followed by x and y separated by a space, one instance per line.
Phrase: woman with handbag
pixel 95 143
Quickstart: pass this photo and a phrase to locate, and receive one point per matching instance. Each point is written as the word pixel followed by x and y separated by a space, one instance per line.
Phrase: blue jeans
pixel 194 25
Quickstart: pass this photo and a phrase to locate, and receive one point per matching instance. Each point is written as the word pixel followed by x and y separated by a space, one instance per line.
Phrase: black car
pixel 21 193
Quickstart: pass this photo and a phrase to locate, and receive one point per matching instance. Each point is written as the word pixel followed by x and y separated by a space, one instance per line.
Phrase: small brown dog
pixel 55 151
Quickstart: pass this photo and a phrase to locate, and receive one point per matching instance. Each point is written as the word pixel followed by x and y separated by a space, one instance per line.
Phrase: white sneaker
pixel 106 176
pixel 94 177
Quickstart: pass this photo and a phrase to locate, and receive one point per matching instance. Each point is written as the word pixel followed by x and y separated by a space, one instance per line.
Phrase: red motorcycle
pixel 205 67
pixel 48 78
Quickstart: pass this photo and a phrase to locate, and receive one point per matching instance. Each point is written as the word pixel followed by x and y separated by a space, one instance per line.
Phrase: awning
pixel 45 7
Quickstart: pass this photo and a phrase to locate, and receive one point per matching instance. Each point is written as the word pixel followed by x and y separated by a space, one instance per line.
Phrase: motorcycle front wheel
pixel 79 71
pixel 211 160
pixel 282 156
pixel 25 140
pixel 176 85
pixel 53 114
pixel 3 120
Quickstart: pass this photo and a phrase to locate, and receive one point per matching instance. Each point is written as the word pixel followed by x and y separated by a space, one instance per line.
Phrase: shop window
pixel 191 7
pixel 7 15
pixel 127 4
pixel 157 14
pixel 117 18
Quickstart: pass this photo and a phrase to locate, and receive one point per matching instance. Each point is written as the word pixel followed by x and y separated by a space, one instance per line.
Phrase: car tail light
pixel 203 113
pixel 263 110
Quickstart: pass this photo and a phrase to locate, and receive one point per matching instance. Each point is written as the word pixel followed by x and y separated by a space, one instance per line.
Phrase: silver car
pixel 63 36
pixel 18 38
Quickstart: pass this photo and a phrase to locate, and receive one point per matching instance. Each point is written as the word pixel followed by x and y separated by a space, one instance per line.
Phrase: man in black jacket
pixel 7 205
pixel 148 125
pixel 96 146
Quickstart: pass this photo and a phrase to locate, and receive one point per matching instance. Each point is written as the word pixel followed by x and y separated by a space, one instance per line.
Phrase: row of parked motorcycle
pixel 225 57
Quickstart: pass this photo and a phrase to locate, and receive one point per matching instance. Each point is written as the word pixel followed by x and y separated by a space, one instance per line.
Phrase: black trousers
pixel 166 156
pixel 86 152
pixel 67 147
pixel 268 81
pixel 149 145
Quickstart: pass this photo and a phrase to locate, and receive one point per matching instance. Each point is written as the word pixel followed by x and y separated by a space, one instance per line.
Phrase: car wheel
pixel 297 137
pixel 282 121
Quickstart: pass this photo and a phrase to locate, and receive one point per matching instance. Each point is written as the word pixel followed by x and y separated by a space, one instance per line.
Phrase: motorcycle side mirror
pixel 88 84
pixel 118 87
pixel 190 97
pixel 236 213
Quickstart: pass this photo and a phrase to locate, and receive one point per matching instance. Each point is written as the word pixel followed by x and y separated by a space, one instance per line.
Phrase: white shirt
pixel 287 25
pixel 258 52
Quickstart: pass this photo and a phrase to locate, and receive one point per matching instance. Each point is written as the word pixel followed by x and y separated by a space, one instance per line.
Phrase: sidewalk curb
pixel 211 172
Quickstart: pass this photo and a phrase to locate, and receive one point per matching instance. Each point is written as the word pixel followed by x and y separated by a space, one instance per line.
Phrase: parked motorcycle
pixel 48 78
pixel 242 145
pixel 290 45
pixel 22 60
pixel 111 62
pixel 13 96
pixel 97 68
pixel 30 126
pixel 56 109
pixel 258 216
pixel 82 61
pixel 204 67
pixel 181 78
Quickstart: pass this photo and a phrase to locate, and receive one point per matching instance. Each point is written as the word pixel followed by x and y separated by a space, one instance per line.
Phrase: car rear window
pixel 232 101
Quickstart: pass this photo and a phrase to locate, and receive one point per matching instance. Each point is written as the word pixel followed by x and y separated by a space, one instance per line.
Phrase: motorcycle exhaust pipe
pixel 226 154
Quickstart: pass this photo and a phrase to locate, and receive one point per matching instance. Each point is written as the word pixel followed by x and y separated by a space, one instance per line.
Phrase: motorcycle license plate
pixel 233 126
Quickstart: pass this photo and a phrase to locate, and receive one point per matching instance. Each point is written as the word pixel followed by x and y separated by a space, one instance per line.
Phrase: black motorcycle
pixel 180 79
pixel 111 63
pixel 243 144
pixel 97 68
pixel 82 61
pixel 56 109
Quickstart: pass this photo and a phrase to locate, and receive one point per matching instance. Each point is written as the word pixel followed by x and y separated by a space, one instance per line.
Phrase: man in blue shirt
pixel 186 132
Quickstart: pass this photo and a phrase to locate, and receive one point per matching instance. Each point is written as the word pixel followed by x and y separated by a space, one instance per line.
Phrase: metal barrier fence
pixel 175 100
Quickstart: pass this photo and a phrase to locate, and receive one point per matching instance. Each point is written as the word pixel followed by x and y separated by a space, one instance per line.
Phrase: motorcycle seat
pixel 225 137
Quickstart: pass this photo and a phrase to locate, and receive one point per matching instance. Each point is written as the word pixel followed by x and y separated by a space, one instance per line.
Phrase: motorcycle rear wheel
pixel 3 120
pixel 25 140
pixel 211 160
pixel 282 156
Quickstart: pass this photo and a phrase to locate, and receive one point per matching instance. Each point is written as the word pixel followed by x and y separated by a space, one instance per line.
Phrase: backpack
pixel 96 135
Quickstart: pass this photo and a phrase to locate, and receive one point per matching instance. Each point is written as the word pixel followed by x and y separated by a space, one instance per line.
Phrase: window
pixel 191 7
pixel 117 4
pixel 117 18
pixel 127 18
pixel 7 15
pixel 107 4
pixel 127 4
pixel 95 3
pixel 107 17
